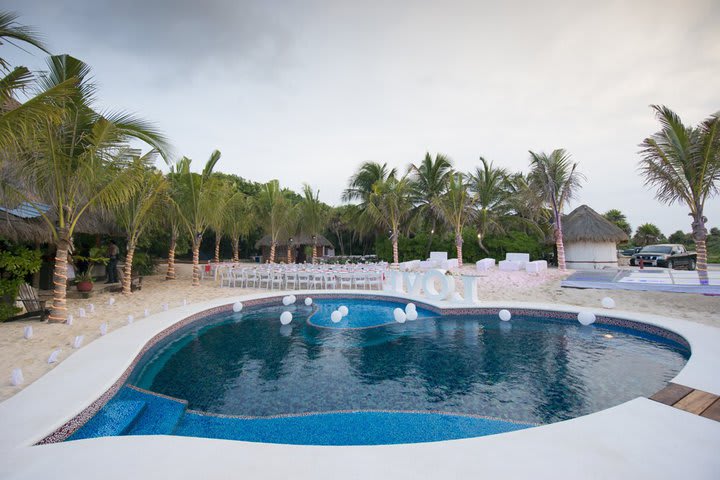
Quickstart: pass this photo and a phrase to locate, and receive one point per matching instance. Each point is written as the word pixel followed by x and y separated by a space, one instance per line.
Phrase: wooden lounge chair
pixel 34 307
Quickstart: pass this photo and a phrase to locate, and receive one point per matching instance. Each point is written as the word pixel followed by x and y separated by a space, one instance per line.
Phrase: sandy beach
pixel 31 355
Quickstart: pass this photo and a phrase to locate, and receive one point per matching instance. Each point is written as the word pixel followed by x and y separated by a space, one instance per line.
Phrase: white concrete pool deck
pixel 637 439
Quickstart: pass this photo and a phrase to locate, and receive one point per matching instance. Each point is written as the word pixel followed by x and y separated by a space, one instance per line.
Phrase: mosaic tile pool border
pixel 67 429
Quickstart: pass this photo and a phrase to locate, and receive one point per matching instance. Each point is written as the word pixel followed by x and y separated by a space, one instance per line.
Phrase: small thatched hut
pixel 296 244
pixel 590 240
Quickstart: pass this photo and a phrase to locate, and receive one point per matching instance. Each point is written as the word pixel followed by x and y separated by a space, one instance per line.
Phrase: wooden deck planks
pixel 671 394
pixel 696 402
pixel 713 411
pixel 690 400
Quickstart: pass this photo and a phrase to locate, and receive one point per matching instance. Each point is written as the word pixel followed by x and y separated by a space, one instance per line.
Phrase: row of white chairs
pixel 301 279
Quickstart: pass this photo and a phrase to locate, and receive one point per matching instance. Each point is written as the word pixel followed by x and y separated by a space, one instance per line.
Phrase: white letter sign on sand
pixel 413 282
pixel 447 287
pixel 394 283
pixel 470 289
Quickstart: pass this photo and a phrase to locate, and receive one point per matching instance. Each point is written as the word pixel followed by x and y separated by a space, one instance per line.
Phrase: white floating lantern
pixel 293 299
pixel 411 315
pixel 53 358
pixel 400 315
pixel 69 320
pixel 608 302
pixel 77 343
pixel 287 300
pixel 111 301
pixel 410 307
pixel 505 315
pixel 237 307
pixel 146 312
pixel 103 328
pixel 285 318
pixel 343 310
pixel 131 319
pixel 91 308
pixel 28 332
pixel 81 312
pixel 16 378
pixel 308 301
pixel 336 316
pixel 586 318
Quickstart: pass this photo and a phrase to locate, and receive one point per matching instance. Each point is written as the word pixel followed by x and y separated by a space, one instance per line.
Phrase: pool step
pixel 689 399
pixel 161 415
pixel 115 418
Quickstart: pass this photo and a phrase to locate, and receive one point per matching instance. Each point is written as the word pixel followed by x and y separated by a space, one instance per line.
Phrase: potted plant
pixel 84 282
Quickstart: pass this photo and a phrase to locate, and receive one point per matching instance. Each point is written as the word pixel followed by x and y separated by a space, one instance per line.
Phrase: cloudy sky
pixel 306 91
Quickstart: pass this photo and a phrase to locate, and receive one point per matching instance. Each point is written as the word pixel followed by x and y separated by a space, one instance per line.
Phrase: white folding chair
pixel 291 280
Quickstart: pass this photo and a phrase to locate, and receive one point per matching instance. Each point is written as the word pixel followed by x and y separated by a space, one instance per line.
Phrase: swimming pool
pixel 370 380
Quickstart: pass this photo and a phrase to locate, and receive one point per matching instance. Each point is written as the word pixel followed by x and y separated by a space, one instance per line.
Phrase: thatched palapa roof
pixel 298 240
pixel 586 225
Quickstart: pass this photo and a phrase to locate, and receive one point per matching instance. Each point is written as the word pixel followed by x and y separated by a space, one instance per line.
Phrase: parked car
pixel 665 255
pixel 629 252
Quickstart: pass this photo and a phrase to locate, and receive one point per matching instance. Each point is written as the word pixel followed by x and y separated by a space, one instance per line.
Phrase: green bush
pixel 16 263
pixel 143 264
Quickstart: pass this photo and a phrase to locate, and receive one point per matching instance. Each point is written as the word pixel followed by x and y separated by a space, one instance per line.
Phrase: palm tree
pixel 198 200
pixel 360 185
pixel 140 211
pixel 683 164
pixel 218 221
pixel 273 208
pixel 618 218
pixel 454 207
pixel 429 180
pixel 17 119
pixel 558 179
pixel 389 206
pixel 489 185
pixel 647 234
pixel 239 221
pixel 313 216
pixel 173 218
pixel 11 31
pixel 75 164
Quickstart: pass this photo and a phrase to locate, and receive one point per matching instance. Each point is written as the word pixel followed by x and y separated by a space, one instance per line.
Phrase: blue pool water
pixel 370 380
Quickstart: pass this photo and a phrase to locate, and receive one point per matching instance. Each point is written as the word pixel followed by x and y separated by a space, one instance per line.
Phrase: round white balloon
pixel 237 307
pixel 335 316
pixel 343 310
pixel 400 315
pixel 410 307
pixel 504 315
pixel 308 301
pixel 293 299
pixel 285 318
pixel 287 300
pixel 608 302
pixel 411 315
pixel 586 318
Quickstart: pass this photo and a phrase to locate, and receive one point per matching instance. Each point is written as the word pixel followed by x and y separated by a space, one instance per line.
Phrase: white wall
pixel 591 255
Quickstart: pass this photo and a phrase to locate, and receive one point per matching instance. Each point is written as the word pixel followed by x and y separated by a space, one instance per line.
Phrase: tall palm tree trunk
pixel 315 255
pixel 700 236
pixel 216 259
pixel 272 252
pixel 196 264
pixel 236 250
pixel 170 275
pixel 559 244
pixel 289 255
pixel 127 269
pixel 58 310
pixel 458 247
pixel 396 254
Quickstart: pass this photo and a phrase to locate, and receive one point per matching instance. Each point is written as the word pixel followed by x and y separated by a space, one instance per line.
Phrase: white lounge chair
pixel 485 264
